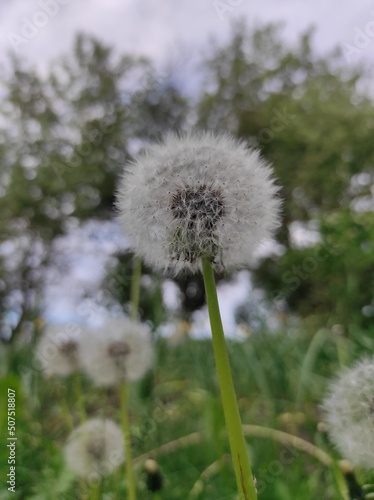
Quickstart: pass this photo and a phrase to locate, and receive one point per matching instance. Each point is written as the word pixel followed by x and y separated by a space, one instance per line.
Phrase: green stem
pixel 310 357
pixel 135 286
pixel 127 437
pixel 240 458
pixel 66 413
pixel 342 349
pixel 134 301
pixel 79 398
pixel 95 492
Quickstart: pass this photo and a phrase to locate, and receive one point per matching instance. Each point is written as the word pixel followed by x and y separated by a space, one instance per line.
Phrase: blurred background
pixel 85 85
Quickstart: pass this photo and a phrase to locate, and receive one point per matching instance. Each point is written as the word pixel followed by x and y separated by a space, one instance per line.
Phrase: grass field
pixel 176 419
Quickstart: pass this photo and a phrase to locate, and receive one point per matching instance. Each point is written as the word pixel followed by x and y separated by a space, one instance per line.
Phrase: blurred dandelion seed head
pixel 95 447
pixel 198 195
pixel 58 349
pixel 120 350
pixel 349 412
pixel 69 348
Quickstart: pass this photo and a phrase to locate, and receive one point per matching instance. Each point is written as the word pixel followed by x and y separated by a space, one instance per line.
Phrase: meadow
pixel 176 419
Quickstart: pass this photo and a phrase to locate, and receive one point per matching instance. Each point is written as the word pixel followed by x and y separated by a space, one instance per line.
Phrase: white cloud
pixel 156 28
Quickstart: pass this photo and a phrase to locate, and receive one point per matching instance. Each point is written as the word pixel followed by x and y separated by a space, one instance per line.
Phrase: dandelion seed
pixel 58 349
pixel 95 448
pixel 121 350
pixel 349 412
pixel 206 196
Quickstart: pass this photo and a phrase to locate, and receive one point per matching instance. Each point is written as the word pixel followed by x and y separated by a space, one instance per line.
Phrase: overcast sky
pixel 156 27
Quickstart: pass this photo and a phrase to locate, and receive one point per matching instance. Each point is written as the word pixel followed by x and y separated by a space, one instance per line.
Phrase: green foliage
pixel 333 280
pixel 67 138
pixel 309 119
pixel 182 399
pixel 118 286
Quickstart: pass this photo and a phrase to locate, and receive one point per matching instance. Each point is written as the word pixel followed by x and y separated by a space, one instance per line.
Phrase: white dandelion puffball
pixel 349 412
pixel 58 349
pixel 95 449
pixel 198 195
pixel 120 350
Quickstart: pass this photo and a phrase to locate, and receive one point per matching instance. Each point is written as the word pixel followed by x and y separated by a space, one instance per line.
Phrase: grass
pixel 280 379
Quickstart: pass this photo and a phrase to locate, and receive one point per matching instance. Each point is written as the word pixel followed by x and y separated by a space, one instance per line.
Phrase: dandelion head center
pixel 96 448
pixel 69 348
pixel 196 211
pixel 198 204
pixel 119 350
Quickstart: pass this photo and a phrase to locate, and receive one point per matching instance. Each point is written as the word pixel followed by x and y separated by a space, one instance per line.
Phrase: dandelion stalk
pixel 66 412
pixel 127 437
pixel 79 398
pixel 134 300
pixel 240 458
pixel 211 470
pixel 310 357
pixel 135 286
pixel 95 492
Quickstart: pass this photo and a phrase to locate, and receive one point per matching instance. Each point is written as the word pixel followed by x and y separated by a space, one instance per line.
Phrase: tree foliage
pixel 308 117
pixel 65 136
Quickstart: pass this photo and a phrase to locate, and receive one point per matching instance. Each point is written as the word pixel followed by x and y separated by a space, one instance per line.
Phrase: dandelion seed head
pixel 120 350
pixel 198 195
pixel 349 412
pixel 58 349
pixel 95 448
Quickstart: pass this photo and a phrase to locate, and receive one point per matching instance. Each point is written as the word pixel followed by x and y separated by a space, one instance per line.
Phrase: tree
pixel 309 119
pixel 65 138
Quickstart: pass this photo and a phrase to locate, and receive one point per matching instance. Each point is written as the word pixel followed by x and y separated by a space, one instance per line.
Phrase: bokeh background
pixel 84 86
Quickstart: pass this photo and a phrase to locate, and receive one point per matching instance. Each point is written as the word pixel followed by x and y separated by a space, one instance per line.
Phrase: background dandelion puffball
pixel 58 349
pixel 198 195
pixel 120 350
pixel 95 449
pixel 349 412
